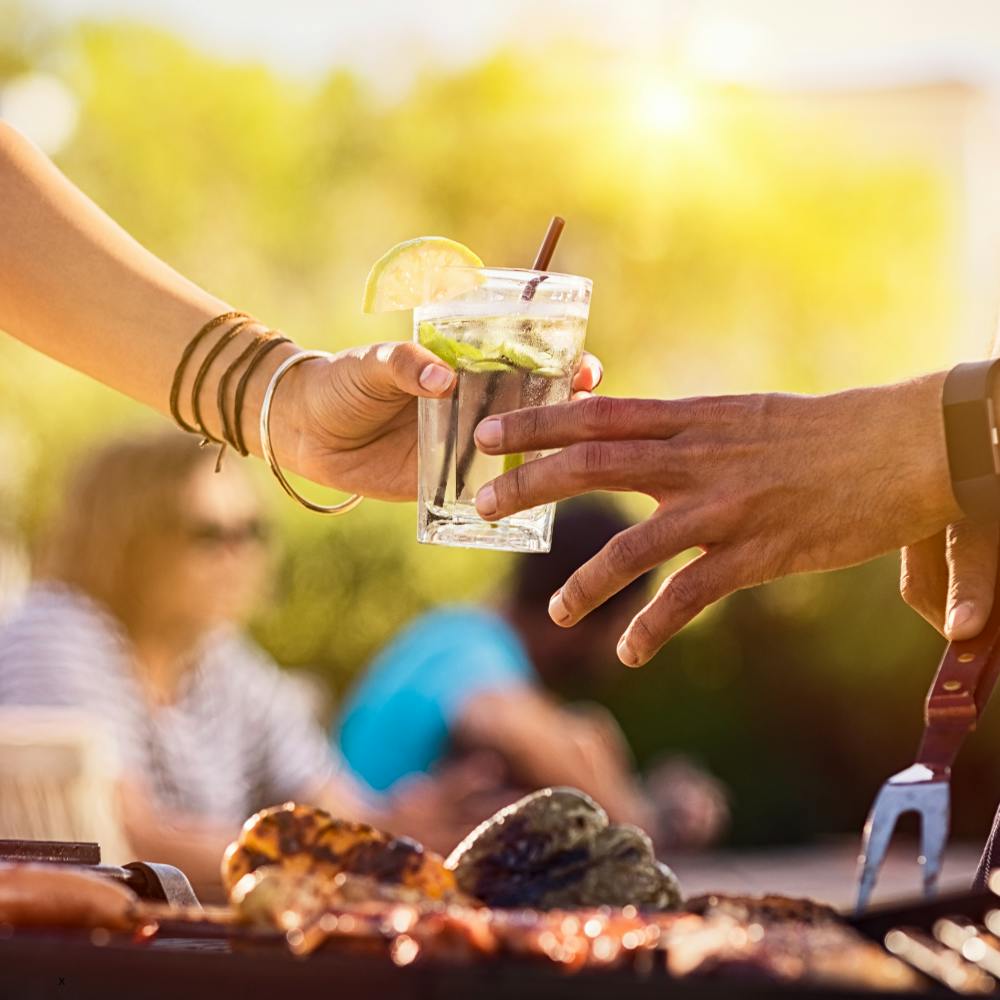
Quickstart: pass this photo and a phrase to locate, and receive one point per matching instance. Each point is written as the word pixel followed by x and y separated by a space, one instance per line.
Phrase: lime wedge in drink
pixel 529 359
pixel 419 271
pixel 456 353
pixel 487 365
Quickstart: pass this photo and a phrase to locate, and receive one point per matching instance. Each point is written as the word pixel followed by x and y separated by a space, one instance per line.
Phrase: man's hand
pixel 764 485
pixel 950 578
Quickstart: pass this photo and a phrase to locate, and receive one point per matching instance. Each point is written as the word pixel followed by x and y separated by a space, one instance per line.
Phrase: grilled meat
pixel 762 909
pixel 791 950
pixel 62 896
pixel 274 897
pixel 782 943
pixel 556 849
pixel 565 886
pixel 305 840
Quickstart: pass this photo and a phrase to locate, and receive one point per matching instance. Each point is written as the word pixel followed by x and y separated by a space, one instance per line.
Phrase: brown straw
pixel 241 389
pixel 544 256
pixel 464 461
pixel 175 386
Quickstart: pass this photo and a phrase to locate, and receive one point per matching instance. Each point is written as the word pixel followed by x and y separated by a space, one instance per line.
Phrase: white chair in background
pixel 58 780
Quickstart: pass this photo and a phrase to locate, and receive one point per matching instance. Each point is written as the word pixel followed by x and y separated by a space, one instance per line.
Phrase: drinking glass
pixel 515 338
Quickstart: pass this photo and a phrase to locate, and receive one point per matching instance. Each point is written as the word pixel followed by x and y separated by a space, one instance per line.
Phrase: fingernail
pixel 486 500
pixel 625 653
pixel 488 433
pixel 436 378
pixel 960 614
pixel 557 610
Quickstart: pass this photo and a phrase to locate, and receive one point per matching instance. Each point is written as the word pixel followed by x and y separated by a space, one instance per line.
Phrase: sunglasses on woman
pixel 211 534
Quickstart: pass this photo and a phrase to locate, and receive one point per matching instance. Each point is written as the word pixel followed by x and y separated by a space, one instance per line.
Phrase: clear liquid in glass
pixel 504 362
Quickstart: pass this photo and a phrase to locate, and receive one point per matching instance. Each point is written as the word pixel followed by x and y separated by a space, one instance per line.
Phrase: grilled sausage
pixel 62 896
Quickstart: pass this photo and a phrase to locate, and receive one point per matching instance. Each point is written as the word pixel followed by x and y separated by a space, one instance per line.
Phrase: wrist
pixel 286 422
pixel 924 455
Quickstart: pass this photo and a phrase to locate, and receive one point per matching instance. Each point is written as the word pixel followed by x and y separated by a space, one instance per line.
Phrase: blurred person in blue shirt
pixel 463 702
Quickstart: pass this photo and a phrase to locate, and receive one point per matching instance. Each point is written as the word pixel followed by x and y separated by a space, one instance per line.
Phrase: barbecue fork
pixel 957 696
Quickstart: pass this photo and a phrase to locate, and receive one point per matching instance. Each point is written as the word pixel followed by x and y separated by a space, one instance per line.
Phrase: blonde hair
pixel 118 496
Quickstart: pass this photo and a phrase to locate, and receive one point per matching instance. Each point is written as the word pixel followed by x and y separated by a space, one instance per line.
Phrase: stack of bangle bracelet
pixel 256 350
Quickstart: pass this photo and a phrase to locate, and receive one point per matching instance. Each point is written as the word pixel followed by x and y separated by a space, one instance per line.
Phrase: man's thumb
pixel 971 553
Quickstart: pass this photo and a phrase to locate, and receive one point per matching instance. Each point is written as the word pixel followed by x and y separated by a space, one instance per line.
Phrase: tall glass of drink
pixel 515 338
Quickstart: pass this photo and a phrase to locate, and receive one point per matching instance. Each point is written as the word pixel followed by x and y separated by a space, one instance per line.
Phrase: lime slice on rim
pixel 420 271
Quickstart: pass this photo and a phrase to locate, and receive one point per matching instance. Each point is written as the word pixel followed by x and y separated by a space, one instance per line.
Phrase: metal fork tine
pixel 931 801
pixel 875 842
pixel 934 816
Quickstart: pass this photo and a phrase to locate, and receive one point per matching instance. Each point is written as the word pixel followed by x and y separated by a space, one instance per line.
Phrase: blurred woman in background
pixel 151 567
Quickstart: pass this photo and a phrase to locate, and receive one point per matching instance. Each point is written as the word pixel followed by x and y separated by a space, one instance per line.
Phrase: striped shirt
pixel 238 736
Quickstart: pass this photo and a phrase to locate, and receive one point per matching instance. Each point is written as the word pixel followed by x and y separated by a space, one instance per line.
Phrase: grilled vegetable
pixel 556 849
pixel 303 839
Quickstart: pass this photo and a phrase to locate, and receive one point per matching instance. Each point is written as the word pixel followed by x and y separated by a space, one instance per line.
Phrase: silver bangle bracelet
pixel 265 438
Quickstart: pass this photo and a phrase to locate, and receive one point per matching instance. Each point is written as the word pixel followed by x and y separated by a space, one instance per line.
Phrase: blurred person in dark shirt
pixel 469 702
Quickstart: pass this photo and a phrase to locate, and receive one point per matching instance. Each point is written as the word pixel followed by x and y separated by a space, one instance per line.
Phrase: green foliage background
pixel 761 248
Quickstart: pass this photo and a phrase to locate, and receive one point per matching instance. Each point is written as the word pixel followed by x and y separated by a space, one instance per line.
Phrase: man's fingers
pixel 690 590
pixel 971 552
pixel 628 555
pixel 597 418
pixel 581 468
pixel 923 579
pixel 405 369
pixel 588 376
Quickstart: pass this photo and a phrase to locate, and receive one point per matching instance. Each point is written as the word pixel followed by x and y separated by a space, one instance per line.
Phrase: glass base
pixel 459 525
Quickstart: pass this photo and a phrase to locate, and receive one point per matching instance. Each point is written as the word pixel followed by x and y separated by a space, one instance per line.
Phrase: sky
pixel 798 42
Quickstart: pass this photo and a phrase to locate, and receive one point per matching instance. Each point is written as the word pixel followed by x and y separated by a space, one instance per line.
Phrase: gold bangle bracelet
pixel 265 438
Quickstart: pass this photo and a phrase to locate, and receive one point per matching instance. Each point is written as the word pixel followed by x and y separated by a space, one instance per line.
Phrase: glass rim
pixel 526 274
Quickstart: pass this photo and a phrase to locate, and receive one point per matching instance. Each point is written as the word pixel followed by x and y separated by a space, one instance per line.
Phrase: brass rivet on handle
pixel 952 685
pixel 966 657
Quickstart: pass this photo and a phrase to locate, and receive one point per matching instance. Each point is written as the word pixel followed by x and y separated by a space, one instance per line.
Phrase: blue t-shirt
pixel 396 721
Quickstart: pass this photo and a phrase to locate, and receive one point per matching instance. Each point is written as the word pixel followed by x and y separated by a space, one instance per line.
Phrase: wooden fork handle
pixel 960 690
pixel 968 672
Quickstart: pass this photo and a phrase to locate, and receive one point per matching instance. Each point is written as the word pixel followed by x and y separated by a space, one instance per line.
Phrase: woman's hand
pixel 351 421
pixel 950 578
pixel 764 485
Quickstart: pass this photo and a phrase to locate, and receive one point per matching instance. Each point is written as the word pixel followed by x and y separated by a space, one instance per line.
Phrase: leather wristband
pixel 970 429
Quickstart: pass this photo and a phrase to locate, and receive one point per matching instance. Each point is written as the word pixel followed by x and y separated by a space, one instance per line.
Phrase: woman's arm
pixel 76 286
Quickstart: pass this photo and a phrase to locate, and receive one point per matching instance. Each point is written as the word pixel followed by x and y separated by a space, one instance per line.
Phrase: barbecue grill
pixel 196 954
